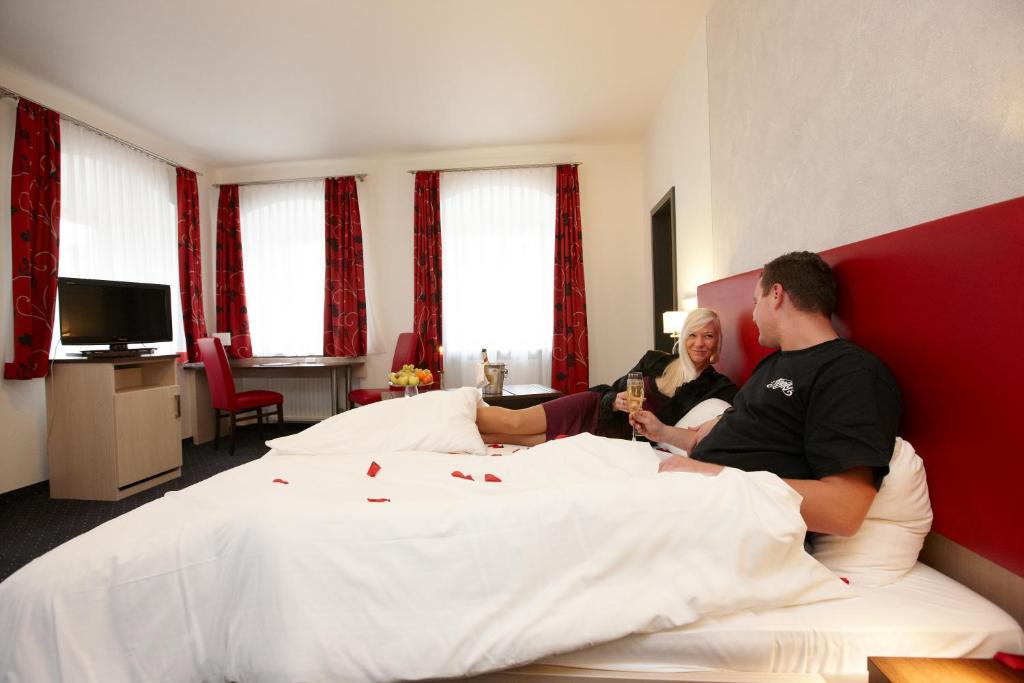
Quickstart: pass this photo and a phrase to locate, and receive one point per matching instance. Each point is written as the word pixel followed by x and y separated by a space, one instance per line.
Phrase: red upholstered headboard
pixel 942 304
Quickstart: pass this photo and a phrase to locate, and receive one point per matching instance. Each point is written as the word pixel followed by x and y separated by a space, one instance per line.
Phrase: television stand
pixel 117 353
pixel 115 426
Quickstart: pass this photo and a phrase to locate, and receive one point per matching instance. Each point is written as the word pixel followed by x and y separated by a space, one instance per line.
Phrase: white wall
pixel 614 226
pixel 836 121
pixel 678 154
pixel 22 403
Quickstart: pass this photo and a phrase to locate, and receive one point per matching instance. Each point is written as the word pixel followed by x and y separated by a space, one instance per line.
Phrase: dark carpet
pixel 31 523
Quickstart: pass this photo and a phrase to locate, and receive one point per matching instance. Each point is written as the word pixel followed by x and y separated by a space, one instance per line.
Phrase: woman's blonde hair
pixel 682 370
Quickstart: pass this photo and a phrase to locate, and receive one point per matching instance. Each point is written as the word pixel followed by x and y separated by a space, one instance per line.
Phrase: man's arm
pixel 684 438
pixel 680 463
pixel 836 504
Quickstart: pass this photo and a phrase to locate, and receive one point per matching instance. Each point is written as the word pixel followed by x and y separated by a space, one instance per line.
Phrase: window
pixel 283 255
pixel 498 242
pixel 118 217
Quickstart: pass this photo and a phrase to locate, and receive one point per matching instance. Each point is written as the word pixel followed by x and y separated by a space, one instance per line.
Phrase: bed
pixel 285 569
pixel 332 558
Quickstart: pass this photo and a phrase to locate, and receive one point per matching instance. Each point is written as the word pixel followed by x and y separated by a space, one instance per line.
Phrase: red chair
pixel 407 351
pixel 223 395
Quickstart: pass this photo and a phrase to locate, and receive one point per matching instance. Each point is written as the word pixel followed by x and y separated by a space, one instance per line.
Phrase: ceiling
pixel 252 81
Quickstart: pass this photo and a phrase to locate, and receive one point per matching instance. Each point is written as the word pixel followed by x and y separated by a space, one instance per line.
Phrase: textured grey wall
pixel 837 120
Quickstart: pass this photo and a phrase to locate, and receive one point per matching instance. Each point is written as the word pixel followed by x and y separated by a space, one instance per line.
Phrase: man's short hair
pixel 806 278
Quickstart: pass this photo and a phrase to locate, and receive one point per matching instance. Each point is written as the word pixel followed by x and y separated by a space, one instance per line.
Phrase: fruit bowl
pixel 410 389
pixel 410 378
pixel 410 386
pixel 410 375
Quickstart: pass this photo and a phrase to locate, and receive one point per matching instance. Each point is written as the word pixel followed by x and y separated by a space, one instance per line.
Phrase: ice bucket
pixel 495 375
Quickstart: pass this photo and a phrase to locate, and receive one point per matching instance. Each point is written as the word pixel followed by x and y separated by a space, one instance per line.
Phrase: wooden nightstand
pixel 928 670
pixel 518 396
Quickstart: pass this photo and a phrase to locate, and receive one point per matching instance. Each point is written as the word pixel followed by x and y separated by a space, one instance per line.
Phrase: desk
pixel 198 394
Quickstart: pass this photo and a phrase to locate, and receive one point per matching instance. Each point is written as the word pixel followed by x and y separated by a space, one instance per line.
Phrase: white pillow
pixel 888 542
pixel 438 421
pixel 697 415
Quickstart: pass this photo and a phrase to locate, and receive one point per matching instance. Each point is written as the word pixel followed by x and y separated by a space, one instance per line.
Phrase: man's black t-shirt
pixel 810 414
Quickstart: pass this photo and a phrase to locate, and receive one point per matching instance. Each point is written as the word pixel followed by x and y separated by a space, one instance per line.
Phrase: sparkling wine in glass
pixel 634 394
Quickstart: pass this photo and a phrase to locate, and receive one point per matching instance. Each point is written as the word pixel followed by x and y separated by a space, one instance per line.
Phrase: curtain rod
pixel 494 168
pixel 358 176
pixel 10 94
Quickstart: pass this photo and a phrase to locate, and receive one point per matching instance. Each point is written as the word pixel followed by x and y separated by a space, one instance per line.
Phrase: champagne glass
pixel 634 394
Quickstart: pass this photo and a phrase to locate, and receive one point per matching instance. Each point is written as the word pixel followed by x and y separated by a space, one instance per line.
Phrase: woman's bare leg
pixel 495 420
pixel 517 439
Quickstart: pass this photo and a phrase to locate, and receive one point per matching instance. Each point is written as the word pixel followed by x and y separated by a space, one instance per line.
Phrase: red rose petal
pixel 460 475
pixel 280 481
pixel 495 445
pixel 1013 661
pixel 374 469
pixel 378 500
pixel 844 580
pixel 491 477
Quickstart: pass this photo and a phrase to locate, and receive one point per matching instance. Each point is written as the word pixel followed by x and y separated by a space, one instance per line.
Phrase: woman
pixel 672 386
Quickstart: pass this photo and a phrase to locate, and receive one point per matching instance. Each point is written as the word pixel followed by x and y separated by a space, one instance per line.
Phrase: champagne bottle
pixel 489 376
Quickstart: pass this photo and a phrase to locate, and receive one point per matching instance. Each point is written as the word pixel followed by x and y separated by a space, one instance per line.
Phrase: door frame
pixel 670 200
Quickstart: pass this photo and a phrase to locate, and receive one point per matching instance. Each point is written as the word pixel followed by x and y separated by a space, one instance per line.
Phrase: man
pixel 821 412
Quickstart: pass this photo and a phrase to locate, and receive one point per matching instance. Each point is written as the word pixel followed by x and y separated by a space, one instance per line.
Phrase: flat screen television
pixel 113 313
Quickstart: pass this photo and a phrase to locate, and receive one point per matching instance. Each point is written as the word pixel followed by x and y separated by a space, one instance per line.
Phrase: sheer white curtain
pixel 283 254
pixel 119 218
pixel 498 241
pixel 8 117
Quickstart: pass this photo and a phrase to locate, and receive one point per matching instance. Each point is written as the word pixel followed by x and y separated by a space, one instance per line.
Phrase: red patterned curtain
pixel 426 243
pixel 570 370
pixel 345 294
pixel 190 263
pixel 35 232
pixel 231 311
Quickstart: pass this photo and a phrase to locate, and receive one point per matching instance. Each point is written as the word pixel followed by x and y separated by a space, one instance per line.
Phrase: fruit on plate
pixel 410 376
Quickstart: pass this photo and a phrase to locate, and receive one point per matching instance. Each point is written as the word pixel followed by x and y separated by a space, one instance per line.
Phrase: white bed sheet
pixel 924 614
pixel 298 567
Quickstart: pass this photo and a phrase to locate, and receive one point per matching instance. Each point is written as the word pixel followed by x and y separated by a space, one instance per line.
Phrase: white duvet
pixel 245 578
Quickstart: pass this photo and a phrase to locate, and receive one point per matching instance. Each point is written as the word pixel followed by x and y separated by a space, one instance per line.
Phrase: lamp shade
pixel 672 322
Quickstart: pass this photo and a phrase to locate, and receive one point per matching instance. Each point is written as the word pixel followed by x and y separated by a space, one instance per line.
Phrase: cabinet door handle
pixel 177 405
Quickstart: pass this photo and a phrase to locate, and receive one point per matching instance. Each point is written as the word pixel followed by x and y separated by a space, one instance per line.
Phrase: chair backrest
pixel 218 372
pixel 406 350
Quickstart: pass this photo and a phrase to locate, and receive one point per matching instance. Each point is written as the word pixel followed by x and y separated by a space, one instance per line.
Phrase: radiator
pixel 306 399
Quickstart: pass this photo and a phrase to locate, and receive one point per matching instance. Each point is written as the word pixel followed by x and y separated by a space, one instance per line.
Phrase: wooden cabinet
pixel 114 426
pixel 517 396
pixel 929 670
